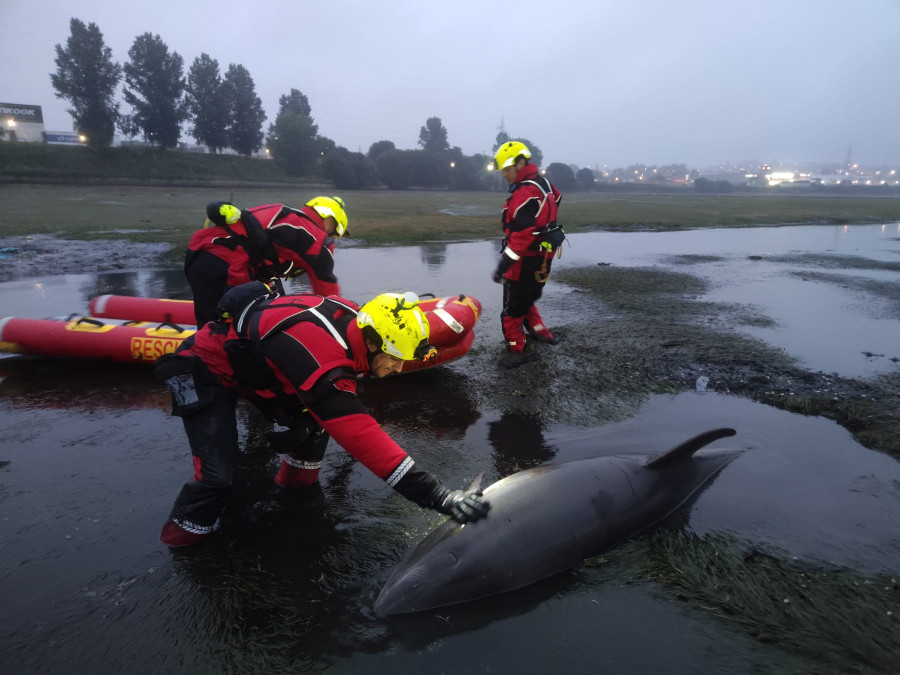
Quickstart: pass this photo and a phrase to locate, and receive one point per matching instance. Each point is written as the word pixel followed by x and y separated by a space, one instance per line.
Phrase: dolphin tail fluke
pixel 685 451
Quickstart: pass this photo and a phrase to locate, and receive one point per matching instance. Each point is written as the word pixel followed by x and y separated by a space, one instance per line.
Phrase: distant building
pixel 25 124
pixel 22 122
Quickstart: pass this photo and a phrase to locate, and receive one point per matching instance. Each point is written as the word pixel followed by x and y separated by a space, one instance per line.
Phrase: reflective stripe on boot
pixel 535 327
pixel 296 472
pixel 177 533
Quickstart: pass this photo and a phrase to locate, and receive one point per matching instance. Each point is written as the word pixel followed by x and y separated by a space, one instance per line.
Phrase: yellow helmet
pixel 509 152
pixel 401 325
pixel 221 213
pixel 331 207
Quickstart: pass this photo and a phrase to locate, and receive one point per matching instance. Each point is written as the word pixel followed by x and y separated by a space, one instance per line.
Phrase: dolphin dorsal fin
pixel 683 452
pixel 476 482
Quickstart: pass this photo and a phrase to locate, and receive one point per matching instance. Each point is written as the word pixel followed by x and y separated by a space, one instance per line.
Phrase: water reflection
pixel 145 283
pixel 518 442
pixel 433 255
pixel 437 400
pixel 64 384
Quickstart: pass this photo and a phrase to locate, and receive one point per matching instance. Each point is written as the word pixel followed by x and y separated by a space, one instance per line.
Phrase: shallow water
pixel 91 462
pixel 827 327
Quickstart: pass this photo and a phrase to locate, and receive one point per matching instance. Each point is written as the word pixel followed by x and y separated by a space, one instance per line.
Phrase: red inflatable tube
pixel 449 318
pixel 85 338
pixel 143 309
pixel 445 354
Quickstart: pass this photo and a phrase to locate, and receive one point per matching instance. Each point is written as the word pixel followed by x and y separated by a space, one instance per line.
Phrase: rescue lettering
pixel 152 348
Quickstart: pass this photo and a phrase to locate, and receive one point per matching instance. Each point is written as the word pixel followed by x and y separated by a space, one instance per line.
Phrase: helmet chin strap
pixel 371 352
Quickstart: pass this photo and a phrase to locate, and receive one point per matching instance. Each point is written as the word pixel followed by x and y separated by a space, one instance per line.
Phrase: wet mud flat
pixel 40 254
pixel 768 571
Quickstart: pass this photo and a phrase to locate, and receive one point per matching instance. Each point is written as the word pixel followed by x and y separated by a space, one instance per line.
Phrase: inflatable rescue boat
pixel 89 338
pixel 154 327
pixel 450 317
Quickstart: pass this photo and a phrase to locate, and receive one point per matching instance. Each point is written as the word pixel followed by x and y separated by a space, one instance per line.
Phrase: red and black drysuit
pixel 529 218
pixel 268 241
pixel 296 357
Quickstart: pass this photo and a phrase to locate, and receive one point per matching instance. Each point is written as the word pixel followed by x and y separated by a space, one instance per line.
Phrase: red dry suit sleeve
pixel 300 240
pixel 362 437
pixel 331 402
pixel 309 363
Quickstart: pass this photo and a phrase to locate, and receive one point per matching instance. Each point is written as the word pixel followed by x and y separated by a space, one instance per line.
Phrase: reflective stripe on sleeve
pixel 400 471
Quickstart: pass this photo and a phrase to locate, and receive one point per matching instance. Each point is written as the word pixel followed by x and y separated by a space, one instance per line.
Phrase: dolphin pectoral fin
pixel 685 451
pixel 476 483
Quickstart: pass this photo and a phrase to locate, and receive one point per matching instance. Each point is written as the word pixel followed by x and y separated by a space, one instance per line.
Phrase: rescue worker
pixel 297 358
pixel 264 243
pixel 531 238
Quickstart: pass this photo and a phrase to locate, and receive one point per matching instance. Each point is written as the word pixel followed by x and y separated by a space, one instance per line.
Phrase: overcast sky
pixel 591 82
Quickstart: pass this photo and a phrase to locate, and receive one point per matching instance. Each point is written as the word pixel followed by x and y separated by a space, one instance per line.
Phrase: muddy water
pixel 91 462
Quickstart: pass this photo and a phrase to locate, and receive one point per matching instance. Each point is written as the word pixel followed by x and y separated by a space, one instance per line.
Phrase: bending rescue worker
pixel 265 243
pixel 297 358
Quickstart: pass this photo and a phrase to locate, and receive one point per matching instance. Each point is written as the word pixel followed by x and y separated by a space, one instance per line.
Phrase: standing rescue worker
pixel 531 239
pixel 297 358
pixel 264 243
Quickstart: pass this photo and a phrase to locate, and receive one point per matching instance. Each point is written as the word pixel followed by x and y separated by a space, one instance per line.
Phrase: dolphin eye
pixel 453 557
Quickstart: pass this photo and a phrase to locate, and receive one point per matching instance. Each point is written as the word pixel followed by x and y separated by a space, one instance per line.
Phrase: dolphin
pixel 548 519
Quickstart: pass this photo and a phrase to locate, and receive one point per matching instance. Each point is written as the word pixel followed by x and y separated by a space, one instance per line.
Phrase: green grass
pixel 154 213
pixel 147 194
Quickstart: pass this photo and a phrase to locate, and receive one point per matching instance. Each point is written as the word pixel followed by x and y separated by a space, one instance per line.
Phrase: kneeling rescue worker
pixel 264 243
pixel 297 358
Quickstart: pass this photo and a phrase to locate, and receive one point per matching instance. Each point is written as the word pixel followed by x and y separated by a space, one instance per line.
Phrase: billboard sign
pixel 21 112
pixel 69 138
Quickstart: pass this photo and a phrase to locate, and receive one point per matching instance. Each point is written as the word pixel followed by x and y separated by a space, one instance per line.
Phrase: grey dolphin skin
pixel 548 519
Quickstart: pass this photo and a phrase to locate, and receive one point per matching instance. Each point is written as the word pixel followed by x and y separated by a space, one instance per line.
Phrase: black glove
pixel 464 506
pixel 497 276
pixel 424 488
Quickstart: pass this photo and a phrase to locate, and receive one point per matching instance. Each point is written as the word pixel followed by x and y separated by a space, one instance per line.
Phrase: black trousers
pixel 207 276
pixel 213 437
pixel 212 434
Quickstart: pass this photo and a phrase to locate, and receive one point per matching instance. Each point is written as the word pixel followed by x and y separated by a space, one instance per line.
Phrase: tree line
pixel 224 112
